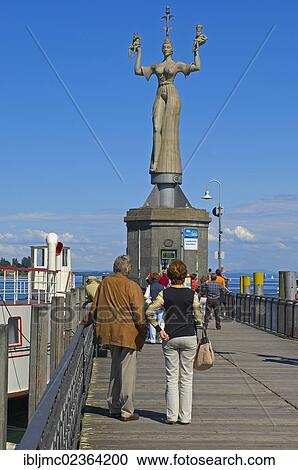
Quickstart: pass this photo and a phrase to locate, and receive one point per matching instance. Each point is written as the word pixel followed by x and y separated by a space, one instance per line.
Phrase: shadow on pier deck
pixel 248 400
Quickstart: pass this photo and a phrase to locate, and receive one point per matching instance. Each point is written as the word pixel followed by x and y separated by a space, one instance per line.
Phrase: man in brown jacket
pixel 118 309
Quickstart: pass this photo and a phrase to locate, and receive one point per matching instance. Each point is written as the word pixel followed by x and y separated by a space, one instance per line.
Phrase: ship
pixel 21 288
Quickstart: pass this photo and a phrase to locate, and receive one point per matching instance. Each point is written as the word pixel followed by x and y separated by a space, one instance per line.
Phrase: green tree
pixel 4 263
pixel 15 263
pixel 27 262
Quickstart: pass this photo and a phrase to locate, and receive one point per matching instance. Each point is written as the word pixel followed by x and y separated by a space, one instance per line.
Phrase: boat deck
pixel 248 400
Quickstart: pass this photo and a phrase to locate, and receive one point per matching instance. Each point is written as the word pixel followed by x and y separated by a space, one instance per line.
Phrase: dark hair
pixel 177 272
pixel 154 276
pixel 218 272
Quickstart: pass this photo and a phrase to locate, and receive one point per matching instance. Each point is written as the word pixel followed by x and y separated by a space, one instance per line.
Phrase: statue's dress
pixel 165 156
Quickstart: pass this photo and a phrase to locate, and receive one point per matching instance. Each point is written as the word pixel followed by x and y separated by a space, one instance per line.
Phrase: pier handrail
pixel 270 314
pixel 57 420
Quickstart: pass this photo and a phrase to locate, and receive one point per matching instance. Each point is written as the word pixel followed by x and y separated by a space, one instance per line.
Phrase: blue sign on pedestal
pixel 191 237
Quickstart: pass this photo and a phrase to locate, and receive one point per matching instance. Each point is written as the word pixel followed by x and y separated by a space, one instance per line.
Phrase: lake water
pixel 270 282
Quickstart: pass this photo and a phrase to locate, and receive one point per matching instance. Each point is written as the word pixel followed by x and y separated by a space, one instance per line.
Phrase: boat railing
pixel 270 314
pixel 27 285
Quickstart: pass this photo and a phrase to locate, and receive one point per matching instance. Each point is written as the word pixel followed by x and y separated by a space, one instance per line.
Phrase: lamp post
pixel 217 213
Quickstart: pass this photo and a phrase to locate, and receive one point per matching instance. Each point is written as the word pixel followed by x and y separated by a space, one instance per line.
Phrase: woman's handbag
pixel 204 358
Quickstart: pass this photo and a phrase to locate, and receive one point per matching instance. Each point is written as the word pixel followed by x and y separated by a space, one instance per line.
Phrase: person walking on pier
pixel 182 310
pixel 214 294
pixel 164 278
pixel 154 289
pixel 91 286
pixel 118 310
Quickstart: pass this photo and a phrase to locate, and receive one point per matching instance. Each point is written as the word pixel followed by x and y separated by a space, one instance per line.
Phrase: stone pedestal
pixel 153 233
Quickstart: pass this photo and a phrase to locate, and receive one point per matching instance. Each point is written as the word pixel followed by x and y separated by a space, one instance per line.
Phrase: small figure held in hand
pixel 200 38
pixel 135 45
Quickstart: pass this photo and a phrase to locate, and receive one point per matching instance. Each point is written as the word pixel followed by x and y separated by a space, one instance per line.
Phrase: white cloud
pixel 244 234
pixel 104 216
pixel 212 237
pixel 25 216
pixel 241 233
pixel 281 246
pixel 33 234
pixel 7 236
pixel 14 251
pixel 66 237
pixel 279 203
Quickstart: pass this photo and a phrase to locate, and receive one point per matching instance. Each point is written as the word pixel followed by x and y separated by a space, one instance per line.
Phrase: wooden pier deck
pixel 248 400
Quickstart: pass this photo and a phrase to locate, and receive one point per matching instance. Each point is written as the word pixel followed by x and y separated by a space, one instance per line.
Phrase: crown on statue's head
pixel 167 41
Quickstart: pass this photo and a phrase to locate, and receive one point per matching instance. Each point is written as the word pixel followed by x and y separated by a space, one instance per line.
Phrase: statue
pixel 165 158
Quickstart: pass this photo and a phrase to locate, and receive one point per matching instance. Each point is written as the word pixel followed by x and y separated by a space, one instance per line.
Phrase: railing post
pixel 274 315
pixel 3 384
pixel 289 317
pixel 228 305
pixel 281 316
pixel 262 320
pixel 38 355
pixel 268 315
pixel 238 307
pixel 242 308
pixel 246 308
pixel 253 310
pixel 234 306
pixel 257 310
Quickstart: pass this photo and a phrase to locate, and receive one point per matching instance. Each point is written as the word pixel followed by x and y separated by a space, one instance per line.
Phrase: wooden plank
pixel 60 319
pixel 248 400
pixel 53 337
pixel 3 384
pixel 68 318
pixel 38 355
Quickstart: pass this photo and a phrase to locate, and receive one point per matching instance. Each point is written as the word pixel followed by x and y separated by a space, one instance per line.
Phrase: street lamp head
pixel 207 195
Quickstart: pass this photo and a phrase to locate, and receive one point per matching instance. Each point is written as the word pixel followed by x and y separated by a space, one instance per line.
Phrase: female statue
pixel 166 109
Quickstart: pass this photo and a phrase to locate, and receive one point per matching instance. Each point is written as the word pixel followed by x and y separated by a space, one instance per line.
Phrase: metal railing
pixel 269 314
pixel 56 423
pixel 27 285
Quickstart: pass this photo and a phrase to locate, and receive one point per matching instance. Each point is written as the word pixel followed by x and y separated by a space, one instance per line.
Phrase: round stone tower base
pixel 155 236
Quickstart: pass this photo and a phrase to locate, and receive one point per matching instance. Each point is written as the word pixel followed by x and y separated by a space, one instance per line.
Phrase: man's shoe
pixel 169 421
pixel 218 327
pixel 114 415
pixel 133 417
pixel 184 422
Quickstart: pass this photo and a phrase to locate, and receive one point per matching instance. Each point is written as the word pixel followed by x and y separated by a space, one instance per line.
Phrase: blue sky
pixel 55 177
